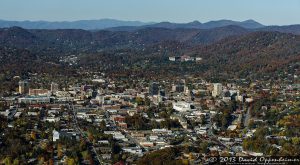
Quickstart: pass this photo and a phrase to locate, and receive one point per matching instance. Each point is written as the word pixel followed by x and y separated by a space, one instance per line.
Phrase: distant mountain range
pixel 82 24
pixel 125 25
pixel 68 39
pixel 130 26
pixel 248 24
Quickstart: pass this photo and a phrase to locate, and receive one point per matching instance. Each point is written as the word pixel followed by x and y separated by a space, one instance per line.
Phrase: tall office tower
pixel 153 89
pixel 217 91
pixel 54 87
pixel 178 87
pixel 162 92
pixel 23 87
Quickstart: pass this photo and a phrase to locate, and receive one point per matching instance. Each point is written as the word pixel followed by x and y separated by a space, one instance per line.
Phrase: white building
pixel 249 100
pixel 153 138
pixel 172 58
pixel 55 135
pixel 34 100
pixel 198 59
pixel 182 106
pixel 217 91
pixel 52 119
pixel 162 131
pixel 54 87
pixel 133 150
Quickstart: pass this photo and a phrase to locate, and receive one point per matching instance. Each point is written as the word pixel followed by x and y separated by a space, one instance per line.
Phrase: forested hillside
pixel 227 52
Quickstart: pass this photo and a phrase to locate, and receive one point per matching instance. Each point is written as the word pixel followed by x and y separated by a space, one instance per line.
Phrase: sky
pixel 268 12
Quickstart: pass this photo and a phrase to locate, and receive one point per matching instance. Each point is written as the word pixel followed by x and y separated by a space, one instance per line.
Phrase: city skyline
pixel 83 83
pixel 267 12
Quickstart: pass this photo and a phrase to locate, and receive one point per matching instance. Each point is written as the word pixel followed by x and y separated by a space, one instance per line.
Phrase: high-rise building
pixel 178 88
pixel 23 87
pixel 153 89
pixel 54 87
pixel 217 91
pixel 162 92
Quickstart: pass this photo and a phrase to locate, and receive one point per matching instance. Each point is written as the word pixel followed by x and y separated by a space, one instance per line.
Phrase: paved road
pixel 247 117
pixel 212 136
pixel 83 135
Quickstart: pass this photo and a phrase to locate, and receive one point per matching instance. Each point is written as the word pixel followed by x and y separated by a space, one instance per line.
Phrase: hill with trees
pixel 226 52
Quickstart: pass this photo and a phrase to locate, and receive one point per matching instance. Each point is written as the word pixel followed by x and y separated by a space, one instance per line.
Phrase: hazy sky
pixel 269 12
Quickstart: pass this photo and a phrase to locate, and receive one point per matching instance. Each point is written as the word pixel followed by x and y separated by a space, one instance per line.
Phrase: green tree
pixel 7 160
